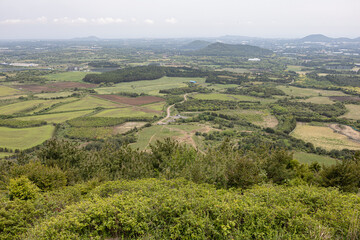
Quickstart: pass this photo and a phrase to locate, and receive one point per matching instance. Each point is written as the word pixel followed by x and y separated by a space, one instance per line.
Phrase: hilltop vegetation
pixel 222 49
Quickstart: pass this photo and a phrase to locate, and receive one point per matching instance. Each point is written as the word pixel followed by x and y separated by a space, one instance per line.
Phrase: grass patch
pixel 26 137
pixel 159 106
pixel 151 87
pixel 308 158
pixel 325 137
pixel 89 132
pixel 56 117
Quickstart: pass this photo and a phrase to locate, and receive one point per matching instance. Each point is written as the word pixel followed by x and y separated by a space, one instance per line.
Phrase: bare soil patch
pixel 345 98
pixel 347 131
pixel 123 128
pixel 132 101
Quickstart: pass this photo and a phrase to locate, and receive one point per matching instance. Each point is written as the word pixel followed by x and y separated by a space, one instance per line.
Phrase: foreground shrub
pixel 178 209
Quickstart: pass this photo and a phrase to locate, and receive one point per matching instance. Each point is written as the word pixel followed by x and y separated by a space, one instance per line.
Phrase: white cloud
pixel 171 20
pixel 149 21
pixel 24 21
pixel 107 20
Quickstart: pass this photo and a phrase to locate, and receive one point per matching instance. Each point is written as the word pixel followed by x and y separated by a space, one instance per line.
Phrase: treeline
pixel 339 80
pixel 104 121
pixel 103 64
pixel 303 110
pixel 256 91
pixel 194 105
pixel 184 90
pixel 14 123
pixel 143 73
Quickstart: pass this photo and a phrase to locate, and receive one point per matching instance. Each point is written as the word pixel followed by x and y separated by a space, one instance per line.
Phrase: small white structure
pixel 254 59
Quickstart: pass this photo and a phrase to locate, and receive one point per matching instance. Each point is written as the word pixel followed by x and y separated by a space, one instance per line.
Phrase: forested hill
pixel 222 49
pixel 143 73
pixel 195 45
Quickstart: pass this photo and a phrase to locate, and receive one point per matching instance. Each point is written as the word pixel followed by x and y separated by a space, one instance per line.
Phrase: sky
pixel 51 19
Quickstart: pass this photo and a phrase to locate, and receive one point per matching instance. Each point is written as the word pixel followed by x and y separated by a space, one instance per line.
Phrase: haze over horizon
pixel 41 19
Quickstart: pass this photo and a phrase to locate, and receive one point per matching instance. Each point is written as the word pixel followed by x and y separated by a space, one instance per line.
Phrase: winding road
pixel 168 112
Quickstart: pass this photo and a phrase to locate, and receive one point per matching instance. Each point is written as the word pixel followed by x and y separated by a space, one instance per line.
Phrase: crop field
pixel 319 100
pixel 308 158
pixel 353 112
pixel 323 136
pixel 5 154
pixel 8 91
pixel 67 76
pixel 56 117
pixel 127 112
pixel 24 138
pixel 89 132
pixel 54 87
pixel 151 87
pixel 87 102
pixel 308 92
pixel 131 101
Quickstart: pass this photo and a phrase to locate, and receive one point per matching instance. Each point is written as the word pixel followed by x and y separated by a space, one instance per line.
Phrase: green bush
pixel 22 188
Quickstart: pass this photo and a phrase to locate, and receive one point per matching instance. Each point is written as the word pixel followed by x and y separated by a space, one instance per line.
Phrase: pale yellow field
pixel 353 113
pixel 319 100
pixel 323 136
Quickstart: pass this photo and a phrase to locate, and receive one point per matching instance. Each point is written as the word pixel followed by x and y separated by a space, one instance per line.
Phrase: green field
pixel 309 158
pixel 151 87
pixel 231 97
pixel 309 92
pixel 8 91
pixel 353 112
pixel 56 117
pixel 67 76
pixel 124 112
pixel 25 137
pixel 87 102
pixel 323 136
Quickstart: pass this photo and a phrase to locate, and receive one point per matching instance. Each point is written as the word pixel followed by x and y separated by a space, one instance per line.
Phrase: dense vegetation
pixel 142 73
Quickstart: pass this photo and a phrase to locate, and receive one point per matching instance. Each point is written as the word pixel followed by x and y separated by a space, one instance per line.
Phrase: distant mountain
pixel 88 39
pixel 195 45
pixel 222 49
pixel 323 38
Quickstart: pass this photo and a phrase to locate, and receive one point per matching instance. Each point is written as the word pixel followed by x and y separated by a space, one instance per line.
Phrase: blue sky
pixel 177 18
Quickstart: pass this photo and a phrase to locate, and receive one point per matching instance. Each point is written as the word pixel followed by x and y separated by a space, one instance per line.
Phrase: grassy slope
pixel 124 112
pixel 354 112
pixel 308 92
pixel 7 91
pixel 309 158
